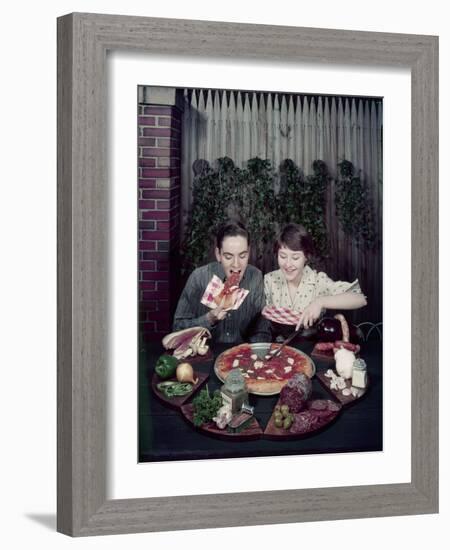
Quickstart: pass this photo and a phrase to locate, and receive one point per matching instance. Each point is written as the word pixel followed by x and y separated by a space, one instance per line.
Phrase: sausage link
pixel 344 327
pixel 347 345
pixel 324 346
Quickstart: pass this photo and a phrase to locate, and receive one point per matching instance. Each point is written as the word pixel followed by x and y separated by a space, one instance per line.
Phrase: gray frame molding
pixel 83 41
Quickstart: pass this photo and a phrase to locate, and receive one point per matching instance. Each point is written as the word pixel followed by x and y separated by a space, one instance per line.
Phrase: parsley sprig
pixel 206 406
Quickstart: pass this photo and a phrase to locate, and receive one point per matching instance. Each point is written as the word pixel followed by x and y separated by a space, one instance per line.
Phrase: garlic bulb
pixel 344 362
pixel 223 416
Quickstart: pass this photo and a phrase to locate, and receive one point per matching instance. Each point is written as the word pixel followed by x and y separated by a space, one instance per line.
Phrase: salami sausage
pixel 344 327
pixel 324 346
pixel 346 345
pixel 334 407
pixel 318 405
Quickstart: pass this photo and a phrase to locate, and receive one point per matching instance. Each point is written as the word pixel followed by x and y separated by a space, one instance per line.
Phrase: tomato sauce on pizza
pixel 226 294
pixel 261 375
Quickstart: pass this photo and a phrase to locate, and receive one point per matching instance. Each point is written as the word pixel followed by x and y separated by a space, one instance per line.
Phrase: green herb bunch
pixel 353 206
pixel 206 406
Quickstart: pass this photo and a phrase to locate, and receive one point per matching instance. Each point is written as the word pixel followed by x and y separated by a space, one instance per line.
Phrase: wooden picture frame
pixel 83 41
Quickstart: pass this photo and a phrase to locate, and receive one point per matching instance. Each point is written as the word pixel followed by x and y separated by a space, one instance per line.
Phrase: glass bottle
pixel 234 391
pixel 359 378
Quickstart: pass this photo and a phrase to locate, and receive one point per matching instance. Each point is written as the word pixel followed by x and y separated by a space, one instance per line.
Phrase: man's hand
pixel 220 312
pixel 310 314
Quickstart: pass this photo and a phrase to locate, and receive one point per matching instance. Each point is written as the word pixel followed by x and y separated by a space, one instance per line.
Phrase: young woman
pixel 298 287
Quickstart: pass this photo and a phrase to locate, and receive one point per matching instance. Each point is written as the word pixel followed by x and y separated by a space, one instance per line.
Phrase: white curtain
pixel 242 125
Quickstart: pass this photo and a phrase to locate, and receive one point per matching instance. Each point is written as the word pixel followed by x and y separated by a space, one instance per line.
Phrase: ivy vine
pixel 290 196
pixel 303 200
pixel 211 189
pixel 257 204
pixel 353 207
pixel 248 194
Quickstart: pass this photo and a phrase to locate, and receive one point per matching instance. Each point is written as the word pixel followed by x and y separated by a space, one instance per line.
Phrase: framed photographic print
pixel 185 138
pixel 264 160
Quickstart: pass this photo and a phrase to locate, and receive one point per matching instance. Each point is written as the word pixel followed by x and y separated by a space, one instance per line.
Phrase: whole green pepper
pixel 166 366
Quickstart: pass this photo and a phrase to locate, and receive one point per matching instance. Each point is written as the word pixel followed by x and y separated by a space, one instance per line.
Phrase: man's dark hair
pixel 231 229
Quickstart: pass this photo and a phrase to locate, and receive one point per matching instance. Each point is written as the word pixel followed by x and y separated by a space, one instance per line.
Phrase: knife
pixel 276 352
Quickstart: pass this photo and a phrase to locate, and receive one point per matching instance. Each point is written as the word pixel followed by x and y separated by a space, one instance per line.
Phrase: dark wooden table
pixel 165 435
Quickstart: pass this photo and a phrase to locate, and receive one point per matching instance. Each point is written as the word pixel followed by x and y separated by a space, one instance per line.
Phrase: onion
pixel 185 373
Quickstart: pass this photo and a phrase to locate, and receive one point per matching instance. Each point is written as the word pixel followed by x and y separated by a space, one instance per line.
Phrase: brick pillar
pixel 159 143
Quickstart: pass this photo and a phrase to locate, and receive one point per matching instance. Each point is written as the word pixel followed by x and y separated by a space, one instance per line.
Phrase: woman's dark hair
pixel 231 229
pixel 295 237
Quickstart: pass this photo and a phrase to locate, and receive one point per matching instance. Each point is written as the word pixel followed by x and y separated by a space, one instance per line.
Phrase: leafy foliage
pixel 245 194
pixel 249 194
pixel 257 204
pixel 353 207
pixel 302 200
pixel 290 196
pixel 206 406
pixel 211 189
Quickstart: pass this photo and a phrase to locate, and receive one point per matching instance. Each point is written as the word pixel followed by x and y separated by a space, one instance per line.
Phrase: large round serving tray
pixel 261 349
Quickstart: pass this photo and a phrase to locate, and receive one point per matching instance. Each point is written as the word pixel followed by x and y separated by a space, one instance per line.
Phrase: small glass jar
pixel 359 377
pixel 234 392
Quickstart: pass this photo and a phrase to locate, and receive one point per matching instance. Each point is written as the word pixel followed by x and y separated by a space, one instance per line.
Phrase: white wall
pixel 28 274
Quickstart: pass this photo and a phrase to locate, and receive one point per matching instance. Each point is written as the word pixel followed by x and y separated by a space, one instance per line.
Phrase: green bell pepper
pixel 174 389
pixel 166 366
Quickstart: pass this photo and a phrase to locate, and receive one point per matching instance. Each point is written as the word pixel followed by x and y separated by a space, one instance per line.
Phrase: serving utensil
pixel 276 352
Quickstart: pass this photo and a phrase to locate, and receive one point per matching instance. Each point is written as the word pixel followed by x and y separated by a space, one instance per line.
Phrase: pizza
pixel 231 284
pixel 262 376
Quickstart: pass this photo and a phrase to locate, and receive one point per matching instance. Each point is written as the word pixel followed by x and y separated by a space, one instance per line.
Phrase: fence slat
pixel 306 137
pixel 298 134
pixel 277 137
pixel 283 129
pixel 320 132
pixel 262 128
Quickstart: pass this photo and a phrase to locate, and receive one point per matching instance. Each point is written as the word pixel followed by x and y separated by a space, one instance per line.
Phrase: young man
pixel 226 325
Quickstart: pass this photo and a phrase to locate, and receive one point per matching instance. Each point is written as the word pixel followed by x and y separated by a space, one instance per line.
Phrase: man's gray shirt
pixel 242 325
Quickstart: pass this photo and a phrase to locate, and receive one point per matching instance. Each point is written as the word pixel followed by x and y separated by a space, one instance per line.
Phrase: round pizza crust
pixel 260 387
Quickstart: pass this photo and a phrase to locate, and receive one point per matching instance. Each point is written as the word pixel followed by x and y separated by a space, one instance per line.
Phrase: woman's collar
pixel 308 275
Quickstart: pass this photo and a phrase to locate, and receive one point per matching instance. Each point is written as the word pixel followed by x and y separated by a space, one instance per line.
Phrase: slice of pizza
pixel 227 293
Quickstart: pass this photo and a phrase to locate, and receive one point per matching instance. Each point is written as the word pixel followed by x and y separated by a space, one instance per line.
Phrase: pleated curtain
pixel 243 125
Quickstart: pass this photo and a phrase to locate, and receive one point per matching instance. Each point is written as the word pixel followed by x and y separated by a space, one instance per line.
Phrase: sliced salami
pixel 321 414
pixel 333 407
pixel 303 422
pixel 318 405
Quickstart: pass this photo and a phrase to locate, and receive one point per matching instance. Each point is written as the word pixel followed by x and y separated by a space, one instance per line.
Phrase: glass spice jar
pixel 234 392
pixel 359 378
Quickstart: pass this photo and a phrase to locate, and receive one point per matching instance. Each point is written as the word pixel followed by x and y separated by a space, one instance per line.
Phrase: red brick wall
pixel 159 143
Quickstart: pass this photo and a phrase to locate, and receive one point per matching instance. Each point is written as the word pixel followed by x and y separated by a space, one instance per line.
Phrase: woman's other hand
pixel 310 314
